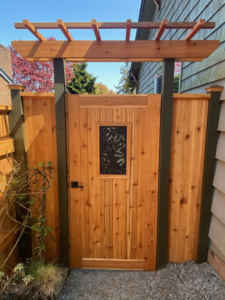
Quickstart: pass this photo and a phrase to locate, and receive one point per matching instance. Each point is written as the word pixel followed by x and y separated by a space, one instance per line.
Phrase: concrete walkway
pixel 177 281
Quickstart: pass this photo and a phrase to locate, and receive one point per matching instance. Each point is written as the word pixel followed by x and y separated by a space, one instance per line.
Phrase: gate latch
pixel 74 185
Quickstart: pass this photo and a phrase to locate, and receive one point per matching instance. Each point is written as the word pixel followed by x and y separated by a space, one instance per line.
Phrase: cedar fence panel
pixel 186 165
pixel 7 237
pixel 40 145
pixel 186 173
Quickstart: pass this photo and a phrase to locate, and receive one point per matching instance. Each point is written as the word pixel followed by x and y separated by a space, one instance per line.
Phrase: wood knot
pixel 182 200
pixel 187 136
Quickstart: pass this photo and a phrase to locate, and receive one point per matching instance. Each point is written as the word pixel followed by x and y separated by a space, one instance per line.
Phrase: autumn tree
pixel 103 89
pixel 35 76
pixel 82 82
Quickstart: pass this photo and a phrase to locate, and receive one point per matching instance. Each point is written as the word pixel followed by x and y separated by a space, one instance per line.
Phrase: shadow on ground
pixel 177 281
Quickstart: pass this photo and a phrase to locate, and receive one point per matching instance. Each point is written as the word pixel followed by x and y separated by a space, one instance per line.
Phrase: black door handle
pixel 74 185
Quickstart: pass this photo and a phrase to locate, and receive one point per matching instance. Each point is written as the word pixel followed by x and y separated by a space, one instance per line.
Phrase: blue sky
pixel 74 11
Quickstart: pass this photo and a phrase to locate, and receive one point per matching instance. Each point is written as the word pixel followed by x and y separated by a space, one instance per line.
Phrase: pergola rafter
pixel 115 51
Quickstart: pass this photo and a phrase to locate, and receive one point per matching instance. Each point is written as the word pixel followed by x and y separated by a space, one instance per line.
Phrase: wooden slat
pixel 64 29
pixel 186 169
pixel 119 204
pixel 132 189
pixel 94 25
pixel 74 201
pixel 115 25
pixel 217 263
pixel 34 95
pixel 151 180
pixel 105 101
pixel 8 238
pixel 195 29
pixel 6 146
pixel 116 50
pixel 128 29
pixel 33 30
pixel 162 28
pixel 5 108
pixel 142 168
pixel 84 180
pixel 4 124
pixel 94 116
pixel 115 264
pixel 191 96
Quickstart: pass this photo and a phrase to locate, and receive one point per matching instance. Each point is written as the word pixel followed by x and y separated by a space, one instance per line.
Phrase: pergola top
pixel 136 51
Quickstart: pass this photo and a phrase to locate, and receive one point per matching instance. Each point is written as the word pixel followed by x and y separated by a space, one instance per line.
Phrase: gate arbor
pixel 119 218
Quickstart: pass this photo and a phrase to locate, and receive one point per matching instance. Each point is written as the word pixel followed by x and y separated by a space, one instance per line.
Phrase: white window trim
pixel 155 81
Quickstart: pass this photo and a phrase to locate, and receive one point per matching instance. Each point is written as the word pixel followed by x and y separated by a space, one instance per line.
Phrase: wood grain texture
pixel 33 30
pixel 114 25
pixel 74 201
pixel 161 30
pixel 195 30
pixel 39 123
pixel 64 30
pixel 6 145
pixel 103 101
pixel 7 236
pixel 128 29
pixel 217 263
pixel 115 264
pixel 110 218
pixel 116 50
pixel 187 157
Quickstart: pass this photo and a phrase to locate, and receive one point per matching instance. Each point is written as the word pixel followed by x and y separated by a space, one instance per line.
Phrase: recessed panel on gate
pixel 114 149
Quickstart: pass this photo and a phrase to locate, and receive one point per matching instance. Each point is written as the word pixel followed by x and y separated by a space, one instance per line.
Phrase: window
pixel 158 84
pixel 114 149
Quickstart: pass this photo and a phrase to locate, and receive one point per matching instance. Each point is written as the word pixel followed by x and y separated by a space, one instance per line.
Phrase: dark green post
pixel 208 171
pixel 164 160
pixel 60 113
pixel 16 124
pixel 16 127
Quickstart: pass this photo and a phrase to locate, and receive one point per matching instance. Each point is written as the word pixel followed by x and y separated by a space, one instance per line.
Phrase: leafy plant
pixel 23 201
pixel 35 280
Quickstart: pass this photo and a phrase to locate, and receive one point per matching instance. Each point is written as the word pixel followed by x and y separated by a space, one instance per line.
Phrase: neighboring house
pixel 5 75
pixel 194 78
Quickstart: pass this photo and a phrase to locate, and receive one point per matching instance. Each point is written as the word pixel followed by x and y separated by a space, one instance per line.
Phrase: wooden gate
pixel 113 216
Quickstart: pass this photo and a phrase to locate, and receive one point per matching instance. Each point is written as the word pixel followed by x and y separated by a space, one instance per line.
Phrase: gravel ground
pixel 177 281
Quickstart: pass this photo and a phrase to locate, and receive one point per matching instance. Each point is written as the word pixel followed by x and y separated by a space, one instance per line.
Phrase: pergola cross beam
pixel 195 29
pixel 128 29
pixel 161 29
pixel 33 30
pixel 64 29
pixel 94 25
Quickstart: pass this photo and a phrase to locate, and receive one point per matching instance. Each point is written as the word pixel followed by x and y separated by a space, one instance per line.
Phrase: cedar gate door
pixel 113 158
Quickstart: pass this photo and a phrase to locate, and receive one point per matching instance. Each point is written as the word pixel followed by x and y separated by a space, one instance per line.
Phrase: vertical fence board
pixel 39 123
pixel 186 169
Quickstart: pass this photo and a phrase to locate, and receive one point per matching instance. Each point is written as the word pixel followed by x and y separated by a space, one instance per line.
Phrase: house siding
pixel 5 64
pixel 194 74
pixel 195 77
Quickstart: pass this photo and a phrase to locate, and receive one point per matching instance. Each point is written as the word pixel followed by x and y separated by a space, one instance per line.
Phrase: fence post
pixel 164 160
pixel 60 113
pixel 208 171
pixel 16 127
